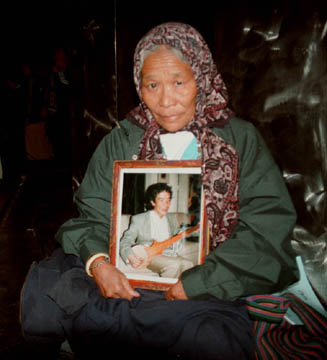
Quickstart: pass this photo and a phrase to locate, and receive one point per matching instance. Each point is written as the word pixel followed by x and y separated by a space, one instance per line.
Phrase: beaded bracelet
pixel 106 260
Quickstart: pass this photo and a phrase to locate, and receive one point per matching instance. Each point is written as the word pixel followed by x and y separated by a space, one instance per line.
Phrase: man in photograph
pixel 154 224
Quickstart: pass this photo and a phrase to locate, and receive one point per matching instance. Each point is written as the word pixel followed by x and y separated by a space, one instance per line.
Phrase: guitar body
pixel 140 252
pixel 146 253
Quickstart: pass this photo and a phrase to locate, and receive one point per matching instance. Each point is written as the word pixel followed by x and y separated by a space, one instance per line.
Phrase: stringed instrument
pixel 147 252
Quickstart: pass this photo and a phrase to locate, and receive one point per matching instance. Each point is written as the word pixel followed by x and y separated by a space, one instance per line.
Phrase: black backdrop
pixel 272 56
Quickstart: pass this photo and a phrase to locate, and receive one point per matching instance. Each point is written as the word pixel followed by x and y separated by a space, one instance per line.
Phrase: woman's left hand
pixel 176 292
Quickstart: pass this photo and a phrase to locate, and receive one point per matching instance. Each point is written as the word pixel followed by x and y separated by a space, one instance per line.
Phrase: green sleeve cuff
pixel 90 248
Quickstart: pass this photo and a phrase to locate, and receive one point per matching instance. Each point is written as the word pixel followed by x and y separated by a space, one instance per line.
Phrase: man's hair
pixel 153 190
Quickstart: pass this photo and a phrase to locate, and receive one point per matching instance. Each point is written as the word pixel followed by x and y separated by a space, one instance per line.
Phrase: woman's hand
pixel 112 283
pixel 176 292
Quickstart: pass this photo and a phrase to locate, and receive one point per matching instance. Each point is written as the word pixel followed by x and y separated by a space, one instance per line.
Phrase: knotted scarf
pixel 219 159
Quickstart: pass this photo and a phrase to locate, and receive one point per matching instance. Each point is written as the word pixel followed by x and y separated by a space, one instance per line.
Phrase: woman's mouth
pixel 170 118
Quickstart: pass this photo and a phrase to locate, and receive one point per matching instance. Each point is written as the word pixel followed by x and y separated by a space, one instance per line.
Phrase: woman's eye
pixel 152 85
pixel 179 83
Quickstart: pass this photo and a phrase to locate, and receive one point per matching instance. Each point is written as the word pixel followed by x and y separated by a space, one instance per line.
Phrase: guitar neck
pixel 159 246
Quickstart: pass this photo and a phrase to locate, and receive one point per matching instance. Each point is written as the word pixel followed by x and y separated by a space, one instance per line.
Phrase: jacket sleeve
pixel 88 234
pixel 257 258
pixel 129 239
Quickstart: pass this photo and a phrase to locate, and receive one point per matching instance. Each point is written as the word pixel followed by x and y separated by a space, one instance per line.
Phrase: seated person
pixel 77 294
pixel 155 224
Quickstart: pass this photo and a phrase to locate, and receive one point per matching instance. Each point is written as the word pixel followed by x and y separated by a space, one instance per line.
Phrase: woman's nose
pixel 167 97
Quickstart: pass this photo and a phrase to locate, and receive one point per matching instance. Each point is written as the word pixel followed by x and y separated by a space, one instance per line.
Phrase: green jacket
pixel 257 259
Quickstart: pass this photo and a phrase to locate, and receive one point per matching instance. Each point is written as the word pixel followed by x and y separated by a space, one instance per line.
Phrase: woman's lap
pixel 60 301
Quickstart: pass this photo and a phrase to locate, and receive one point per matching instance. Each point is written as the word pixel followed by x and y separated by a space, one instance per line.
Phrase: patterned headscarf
pixel 219 159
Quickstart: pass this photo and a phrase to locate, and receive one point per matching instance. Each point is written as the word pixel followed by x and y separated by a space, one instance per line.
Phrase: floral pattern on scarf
pixel 219 159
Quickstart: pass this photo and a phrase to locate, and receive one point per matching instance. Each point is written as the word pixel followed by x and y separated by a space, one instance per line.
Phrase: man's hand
pixel 135 261
pixel 139 258
pixel 112 283
pixel 176 292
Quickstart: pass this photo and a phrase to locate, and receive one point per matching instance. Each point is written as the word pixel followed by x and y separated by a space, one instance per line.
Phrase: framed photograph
pixel 158 224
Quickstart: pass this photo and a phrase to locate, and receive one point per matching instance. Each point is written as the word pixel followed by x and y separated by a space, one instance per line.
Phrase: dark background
pixel 272 56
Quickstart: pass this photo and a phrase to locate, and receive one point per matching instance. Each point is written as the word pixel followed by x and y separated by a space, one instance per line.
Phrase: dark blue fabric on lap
pixel 60 301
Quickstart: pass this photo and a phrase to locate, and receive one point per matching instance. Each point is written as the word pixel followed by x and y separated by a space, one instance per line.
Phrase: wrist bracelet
pixel 106 260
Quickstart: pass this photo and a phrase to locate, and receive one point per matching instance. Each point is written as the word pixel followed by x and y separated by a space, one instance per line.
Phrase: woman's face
pixel 168 89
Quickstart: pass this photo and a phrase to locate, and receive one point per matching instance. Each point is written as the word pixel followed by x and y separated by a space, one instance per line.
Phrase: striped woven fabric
pixel 275 338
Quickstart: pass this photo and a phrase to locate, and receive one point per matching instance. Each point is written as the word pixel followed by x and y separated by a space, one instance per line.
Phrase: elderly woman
pixel 183 114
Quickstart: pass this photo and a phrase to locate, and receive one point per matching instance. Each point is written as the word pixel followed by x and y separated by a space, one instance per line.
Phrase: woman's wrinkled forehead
pixel 178 35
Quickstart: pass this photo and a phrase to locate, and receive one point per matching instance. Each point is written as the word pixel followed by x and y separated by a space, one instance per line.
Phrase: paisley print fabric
pixel 219 159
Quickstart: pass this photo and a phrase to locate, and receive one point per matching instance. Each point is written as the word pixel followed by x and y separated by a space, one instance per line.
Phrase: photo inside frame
pixel 167 244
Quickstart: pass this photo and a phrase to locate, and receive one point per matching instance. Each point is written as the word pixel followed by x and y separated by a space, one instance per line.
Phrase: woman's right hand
pixel 112 283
